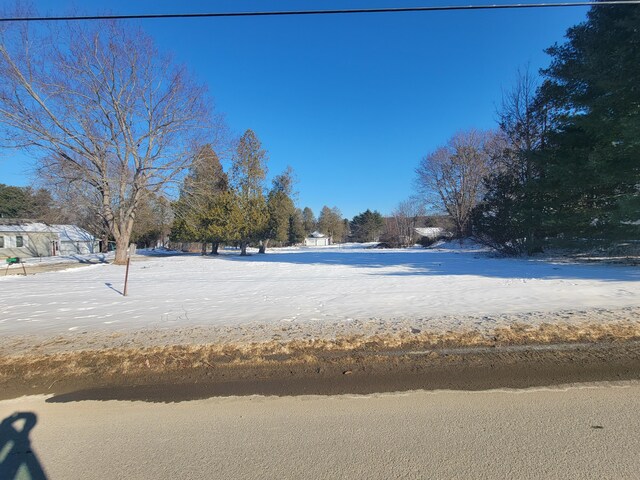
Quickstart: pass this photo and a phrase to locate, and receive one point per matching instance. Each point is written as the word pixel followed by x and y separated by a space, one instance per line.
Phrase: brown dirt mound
pixel 413 356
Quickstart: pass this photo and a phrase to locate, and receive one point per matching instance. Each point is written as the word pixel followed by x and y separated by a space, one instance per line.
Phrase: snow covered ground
pixel 306 286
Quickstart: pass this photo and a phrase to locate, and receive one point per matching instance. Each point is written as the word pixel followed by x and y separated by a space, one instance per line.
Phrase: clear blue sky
pixel 350 102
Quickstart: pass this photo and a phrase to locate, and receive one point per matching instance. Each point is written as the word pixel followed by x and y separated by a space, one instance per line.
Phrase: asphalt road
pixel 575 432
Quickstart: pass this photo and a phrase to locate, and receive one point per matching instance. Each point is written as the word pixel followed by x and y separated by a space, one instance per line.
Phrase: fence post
pixel 130 251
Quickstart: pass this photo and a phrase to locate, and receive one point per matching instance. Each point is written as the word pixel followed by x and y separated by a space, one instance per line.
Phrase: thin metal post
pixel 126 277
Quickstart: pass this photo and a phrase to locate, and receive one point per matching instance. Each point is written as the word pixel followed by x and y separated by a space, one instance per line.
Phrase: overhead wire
pixel 273 13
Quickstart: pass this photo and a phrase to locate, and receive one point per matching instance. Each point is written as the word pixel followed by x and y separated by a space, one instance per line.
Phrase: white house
pixel 317 239
pixel 27 238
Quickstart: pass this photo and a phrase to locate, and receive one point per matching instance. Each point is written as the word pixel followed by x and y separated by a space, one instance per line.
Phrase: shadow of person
pixel 17 459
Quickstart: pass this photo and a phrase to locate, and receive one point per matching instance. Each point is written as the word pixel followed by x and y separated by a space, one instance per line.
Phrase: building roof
pixel 20 226
pixel 66 233
pixel 72 233
pixel 317 234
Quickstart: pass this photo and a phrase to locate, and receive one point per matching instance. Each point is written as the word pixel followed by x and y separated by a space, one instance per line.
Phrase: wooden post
pixel 126 277
pixel 130 251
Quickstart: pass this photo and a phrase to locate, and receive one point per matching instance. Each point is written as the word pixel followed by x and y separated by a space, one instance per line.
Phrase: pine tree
pixel 248 172
pixel 367 226
pixel 296 228
pixel 592 164
pixel 330 223
pixel 308 220
pixel 280 208
pixel 203 192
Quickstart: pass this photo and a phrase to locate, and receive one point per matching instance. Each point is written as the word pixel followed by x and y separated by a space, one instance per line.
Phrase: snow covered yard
pixel 306 286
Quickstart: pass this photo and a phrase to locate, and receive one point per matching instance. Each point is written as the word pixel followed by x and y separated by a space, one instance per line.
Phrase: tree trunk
pixel 214 248
pixel 122 242
pixel 263 246
pixel 122 246
pixel 203 248
pixel 104 244
pixel 243 248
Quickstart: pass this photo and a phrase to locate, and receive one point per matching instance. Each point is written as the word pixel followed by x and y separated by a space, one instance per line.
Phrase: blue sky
pixel 350 102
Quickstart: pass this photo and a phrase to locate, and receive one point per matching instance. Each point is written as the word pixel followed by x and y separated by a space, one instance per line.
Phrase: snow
pixel 25 227
pixel 430 232
pixel 305 286
pixel 72 233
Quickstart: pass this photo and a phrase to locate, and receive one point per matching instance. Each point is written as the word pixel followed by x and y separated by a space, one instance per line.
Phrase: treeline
pixel 564 167
pixel 238 208
pixel 25 202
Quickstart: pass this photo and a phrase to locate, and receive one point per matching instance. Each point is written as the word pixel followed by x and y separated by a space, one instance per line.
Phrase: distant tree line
pixel 25 202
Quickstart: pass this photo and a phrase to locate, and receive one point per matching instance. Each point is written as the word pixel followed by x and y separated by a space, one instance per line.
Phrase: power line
pixel 321 12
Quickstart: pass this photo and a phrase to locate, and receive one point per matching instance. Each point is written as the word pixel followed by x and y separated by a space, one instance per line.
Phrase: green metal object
pixel 12 260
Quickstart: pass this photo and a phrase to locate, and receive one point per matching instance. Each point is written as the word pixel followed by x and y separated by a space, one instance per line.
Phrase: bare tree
pixel 524 123
pixel 451 177
pixel 406 217
pixel 101 108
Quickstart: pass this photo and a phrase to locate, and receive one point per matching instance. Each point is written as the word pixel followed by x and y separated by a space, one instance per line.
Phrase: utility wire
pixel 321 12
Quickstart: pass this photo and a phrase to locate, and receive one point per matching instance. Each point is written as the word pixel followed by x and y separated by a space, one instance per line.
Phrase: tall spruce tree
pixel 591 169
pixel 248 172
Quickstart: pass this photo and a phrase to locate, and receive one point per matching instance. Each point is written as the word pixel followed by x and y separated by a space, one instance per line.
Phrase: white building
pixel 26 238
pixel 74 240
pixel 317 239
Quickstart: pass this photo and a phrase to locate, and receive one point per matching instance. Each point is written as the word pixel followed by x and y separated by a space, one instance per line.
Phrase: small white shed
pixel 74 240
pixel 316 239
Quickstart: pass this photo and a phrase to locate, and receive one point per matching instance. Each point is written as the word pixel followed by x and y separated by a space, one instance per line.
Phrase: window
pixel 19 241
pixel 1 242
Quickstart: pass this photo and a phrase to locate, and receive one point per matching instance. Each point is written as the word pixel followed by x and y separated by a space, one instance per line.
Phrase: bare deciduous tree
pixel 524 123
pixel 406 217
pixel 451 177
pixel 100 107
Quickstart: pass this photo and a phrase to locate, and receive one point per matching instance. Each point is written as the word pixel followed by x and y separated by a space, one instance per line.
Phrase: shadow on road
pixel 17 458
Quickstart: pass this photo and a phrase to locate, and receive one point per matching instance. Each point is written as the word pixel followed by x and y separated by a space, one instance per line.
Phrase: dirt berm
pixel 509 357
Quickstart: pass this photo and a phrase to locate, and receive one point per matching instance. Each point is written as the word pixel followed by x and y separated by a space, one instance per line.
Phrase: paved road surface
pixel 576 432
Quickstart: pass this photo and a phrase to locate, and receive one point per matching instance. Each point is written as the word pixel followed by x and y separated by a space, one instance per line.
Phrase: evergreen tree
pixel 330 223
pixel 203 199
pixel 296 228
pixel 248 172
pixel 591 168
pixel 25 202
pixel 280 208
pixel 367 226
pixel 308 221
